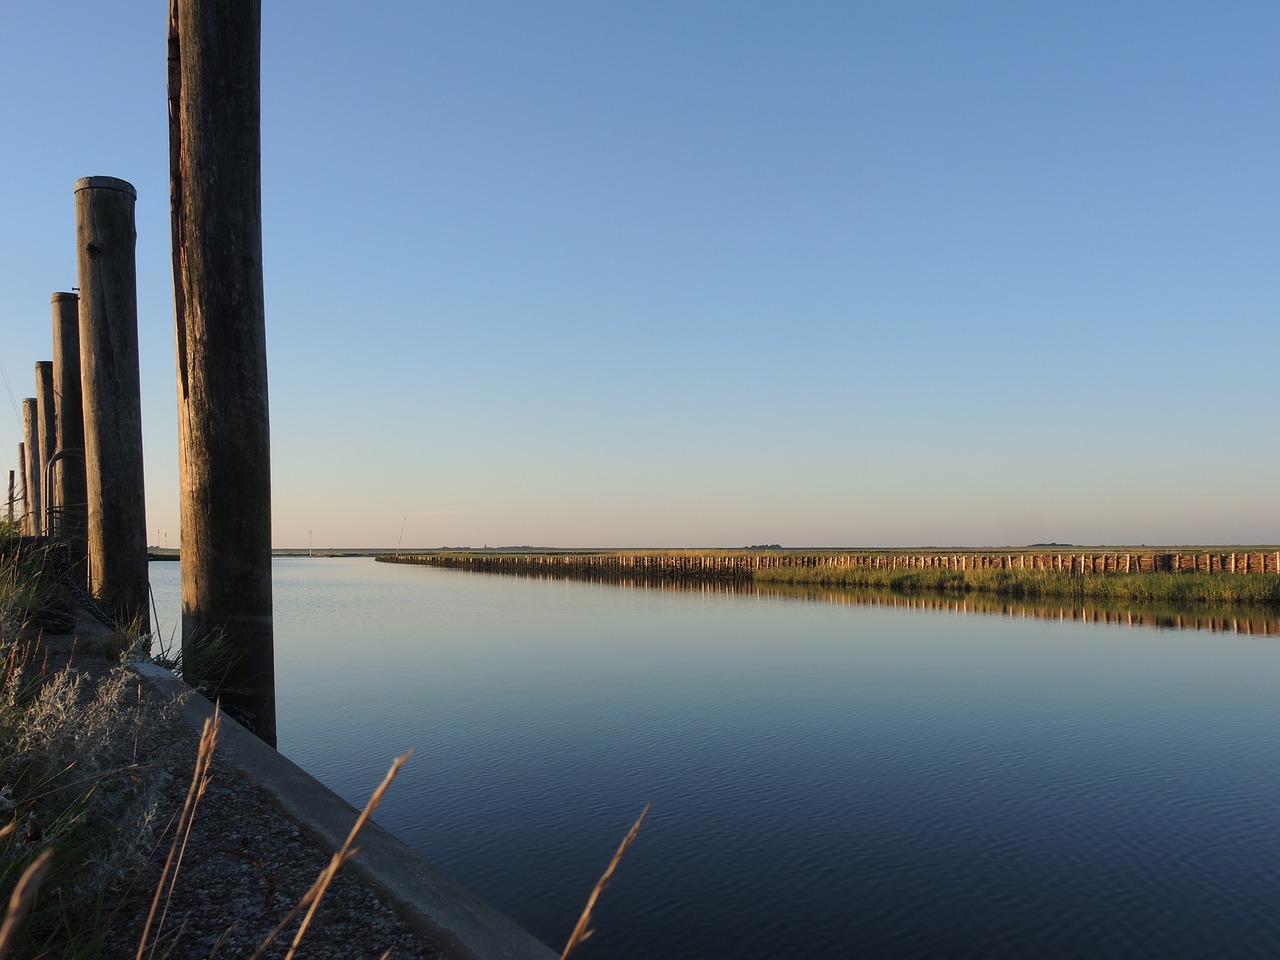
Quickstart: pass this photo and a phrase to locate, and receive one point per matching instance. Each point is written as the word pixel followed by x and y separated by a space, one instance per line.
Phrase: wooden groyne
pixel 743 565
pixel 1146 615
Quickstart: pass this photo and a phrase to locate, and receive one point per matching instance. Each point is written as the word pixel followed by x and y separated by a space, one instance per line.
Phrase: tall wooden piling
pixel 46 414
pixel 105 241
pixel 31 482
pixel 70 485
pixel 223 428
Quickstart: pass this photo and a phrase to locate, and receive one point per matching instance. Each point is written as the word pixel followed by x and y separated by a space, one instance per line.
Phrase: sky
pixel 709 273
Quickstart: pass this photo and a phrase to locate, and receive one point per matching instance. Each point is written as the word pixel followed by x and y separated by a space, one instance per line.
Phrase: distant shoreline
pixel 172 553
pixel 1231 576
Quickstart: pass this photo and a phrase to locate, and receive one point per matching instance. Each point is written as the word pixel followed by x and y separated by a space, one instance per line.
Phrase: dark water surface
pixel 827 780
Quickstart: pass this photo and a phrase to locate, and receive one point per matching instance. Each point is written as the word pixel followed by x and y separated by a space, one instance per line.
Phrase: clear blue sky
pixel 711 273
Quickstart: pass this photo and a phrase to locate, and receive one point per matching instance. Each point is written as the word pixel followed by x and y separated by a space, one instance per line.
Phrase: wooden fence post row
pixel 695 566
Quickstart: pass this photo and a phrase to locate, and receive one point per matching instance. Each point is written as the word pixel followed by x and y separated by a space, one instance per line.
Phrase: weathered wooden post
pixel 70 484
pixel 223 428
pixel 105 240
pixel 46 415
pixel 10 517
pixel 31 482
pixel 22 478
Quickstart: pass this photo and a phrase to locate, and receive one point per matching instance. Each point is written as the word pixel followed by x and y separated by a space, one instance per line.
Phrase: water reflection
pixel 1238 619
pixel 832 773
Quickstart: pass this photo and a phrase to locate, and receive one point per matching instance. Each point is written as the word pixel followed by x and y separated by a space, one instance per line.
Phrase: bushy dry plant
pixel 71 782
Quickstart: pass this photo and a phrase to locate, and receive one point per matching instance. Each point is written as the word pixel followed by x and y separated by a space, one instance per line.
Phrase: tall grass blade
pixel 581 932
pixel 24 894
pixel 181 833
pixel 311 901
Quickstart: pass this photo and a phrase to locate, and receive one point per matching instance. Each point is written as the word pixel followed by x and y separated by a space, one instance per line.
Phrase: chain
pixel 62 563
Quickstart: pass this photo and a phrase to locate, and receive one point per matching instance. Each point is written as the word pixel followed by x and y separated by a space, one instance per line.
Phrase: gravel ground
pixel 246 864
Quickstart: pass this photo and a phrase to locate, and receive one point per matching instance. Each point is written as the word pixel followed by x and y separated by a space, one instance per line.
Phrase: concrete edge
pixel 462 924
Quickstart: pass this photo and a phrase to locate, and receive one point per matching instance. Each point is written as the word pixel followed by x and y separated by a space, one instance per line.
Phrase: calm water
pixel 827 780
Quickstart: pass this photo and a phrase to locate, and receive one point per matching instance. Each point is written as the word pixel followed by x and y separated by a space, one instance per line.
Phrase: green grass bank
pixel 1179 588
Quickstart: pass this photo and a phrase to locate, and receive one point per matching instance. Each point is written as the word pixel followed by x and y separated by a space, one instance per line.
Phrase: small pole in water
pixel 401 540
pixel 308 543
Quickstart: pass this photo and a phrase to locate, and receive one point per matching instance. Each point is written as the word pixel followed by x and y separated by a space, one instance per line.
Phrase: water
pixel 827 780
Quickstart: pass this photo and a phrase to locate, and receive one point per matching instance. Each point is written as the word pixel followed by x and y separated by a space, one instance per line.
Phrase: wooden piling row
pixel 1257 625
pixel 598 568
pixel 742 566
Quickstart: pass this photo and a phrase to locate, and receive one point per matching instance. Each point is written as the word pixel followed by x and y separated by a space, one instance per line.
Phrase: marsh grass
pixel 1181 588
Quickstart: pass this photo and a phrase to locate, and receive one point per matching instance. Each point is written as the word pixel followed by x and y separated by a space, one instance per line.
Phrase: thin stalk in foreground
pixel 581 931
pixel 313 896
pixel 173 862
pixel 24 894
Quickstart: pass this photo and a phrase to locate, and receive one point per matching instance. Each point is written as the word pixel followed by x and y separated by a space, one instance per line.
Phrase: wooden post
pixel 22 478
pixel 224 444
pixel 10 496
pixel 105 239
pixel 46 415
pixel 71 486
pixel 31 482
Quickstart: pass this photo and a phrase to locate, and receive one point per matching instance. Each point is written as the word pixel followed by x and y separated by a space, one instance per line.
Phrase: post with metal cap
pixel 31 480
pixel 105 241
pixel 46 415
pixel 69 481
pixel 223 430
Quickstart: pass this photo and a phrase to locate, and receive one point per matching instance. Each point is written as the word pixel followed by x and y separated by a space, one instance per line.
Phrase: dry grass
pixel 311 901
pixel 182 831
pixel 70 774
pixel 1189 588
pixel 153 940
pixel 24 894
pixel 583 929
